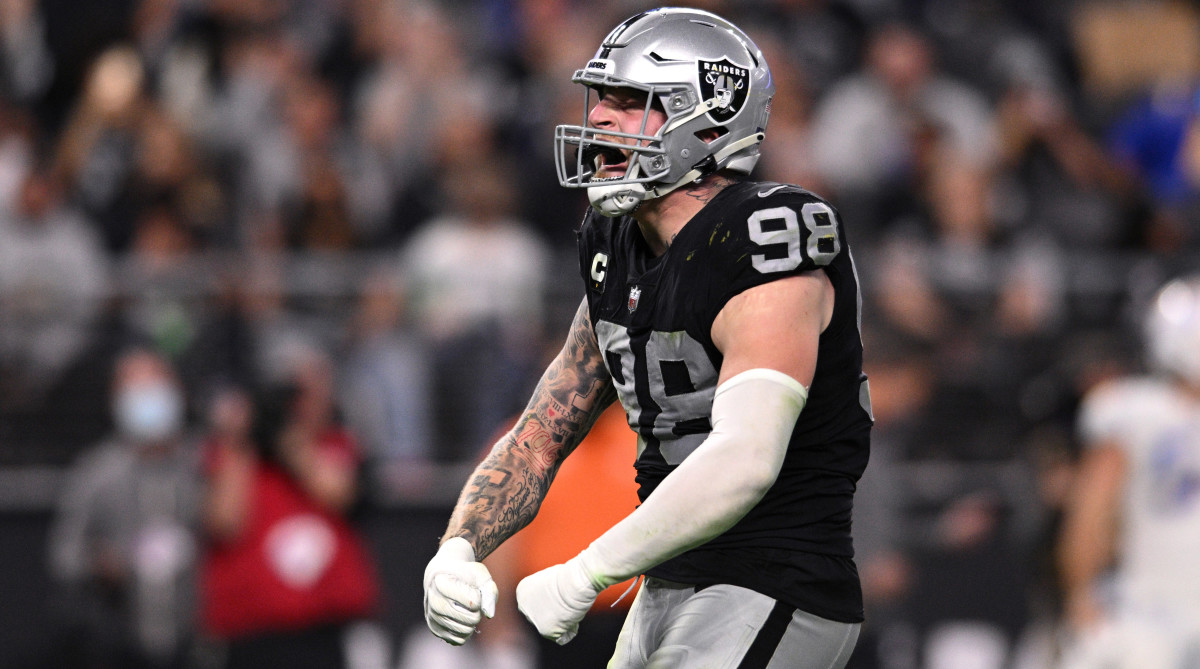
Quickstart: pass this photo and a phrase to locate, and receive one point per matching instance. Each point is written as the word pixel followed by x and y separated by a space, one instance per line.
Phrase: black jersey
pixel 653 318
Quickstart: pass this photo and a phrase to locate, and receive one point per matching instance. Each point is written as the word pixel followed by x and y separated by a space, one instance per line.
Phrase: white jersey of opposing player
pixel 1158 427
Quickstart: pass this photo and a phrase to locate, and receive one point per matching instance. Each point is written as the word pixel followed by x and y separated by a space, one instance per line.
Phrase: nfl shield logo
pixel 635 294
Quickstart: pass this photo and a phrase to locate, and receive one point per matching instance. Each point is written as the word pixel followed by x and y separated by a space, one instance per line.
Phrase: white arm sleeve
pixel 753 415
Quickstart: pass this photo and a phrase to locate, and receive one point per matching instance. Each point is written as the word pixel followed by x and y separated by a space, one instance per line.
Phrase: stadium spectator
pixel 1057 180
pixel 27 69
pixel 476 279
pixel 285 575
pixel 54 276
pixel 122 548
pixel 385 383
pixel 411 91
pixel 96 152
pixel 891 110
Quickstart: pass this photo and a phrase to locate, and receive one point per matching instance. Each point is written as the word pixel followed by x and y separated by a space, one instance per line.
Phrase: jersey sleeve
pixel 1114 412
pixel 1099 417
pixel 772 233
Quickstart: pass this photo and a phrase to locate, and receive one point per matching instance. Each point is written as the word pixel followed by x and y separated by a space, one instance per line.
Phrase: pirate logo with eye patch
pixel 726 82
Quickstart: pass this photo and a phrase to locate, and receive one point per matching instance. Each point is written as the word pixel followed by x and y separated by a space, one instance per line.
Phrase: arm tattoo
pixel 507 488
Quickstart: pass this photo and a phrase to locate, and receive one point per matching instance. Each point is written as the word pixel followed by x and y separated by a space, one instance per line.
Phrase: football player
pixel 1131 532
pixel 723 313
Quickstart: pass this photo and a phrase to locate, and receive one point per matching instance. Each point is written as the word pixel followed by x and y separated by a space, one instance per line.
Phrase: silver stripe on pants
pixel 672 626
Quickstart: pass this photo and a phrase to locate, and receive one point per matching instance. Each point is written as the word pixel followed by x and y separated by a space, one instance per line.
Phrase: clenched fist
pixel 458 592
pixel 556 599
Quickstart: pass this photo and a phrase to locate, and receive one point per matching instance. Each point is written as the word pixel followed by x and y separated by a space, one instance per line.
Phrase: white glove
pixel 556 599
pixel 458 592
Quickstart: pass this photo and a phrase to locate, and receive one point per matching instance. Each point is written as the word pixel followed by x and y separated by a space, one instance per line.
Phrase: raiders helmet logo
pixel 726 82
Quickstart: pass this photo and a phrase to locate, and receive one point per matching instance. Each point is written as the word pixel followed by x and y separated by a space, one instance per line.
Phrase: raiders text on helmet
pixel 704 72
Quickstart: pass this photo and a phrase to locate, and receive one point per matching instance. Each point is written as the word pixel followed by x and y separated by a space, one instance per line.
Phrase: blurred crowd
pixel 358 197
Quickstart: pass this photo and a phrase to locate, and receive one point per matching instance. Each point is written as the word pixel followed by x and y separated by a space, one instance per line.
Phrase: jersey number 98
pixel 777 230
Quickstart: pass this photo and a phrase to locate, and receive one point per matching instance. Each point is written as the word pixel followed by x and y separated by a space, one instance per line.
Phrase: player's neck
pixel 662 218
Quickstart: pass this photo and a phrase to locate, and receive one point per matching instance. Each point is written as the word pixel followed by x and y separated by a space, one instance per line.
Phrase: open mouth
pixel 606 162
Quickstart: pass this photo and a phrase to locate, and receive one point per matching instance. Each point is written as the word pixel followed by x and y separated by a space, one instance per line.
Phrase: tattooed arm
pixel 507 488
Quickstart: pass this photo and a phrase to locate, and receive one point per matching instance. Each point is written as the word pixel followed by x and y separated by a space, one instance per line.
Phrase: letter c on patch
pixel 599 267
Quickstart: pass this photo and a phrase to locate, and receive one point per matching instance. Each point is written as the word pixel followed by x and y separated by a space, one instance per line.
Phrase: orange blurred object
pixel 593 490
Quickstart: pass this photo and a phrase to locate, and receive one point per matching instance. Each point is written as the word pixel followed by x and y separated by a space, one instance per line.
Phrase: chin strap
pixel 617 199
pixel 699 171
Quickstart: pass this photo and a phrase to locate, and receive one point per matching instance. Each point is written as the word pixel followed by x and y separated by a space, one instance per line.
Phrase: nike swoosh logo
pixel 764 193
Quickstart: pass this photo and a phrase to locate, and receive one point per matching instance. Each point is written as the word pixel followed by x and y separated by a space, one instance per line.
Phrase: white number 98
pixel 823 243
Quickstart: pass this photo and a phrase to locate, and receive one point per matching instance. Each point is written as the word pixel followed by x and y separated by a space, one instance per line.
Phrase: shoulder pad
pixel 1110 409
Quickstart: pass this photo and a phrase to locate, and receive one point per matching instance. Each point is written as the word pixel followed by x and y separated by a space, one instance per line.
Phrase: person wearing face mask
pixel 122 548
pixel 286 578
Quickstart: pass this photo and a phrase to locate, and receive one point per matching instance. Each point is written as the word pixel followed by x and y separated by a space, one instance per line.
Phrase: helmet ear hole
pixel 709 135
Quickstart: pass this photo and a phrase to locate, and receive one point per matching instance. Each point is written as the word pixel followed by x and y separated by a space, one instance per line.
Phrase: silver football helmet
pixel 704 73
pixel 1173 329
